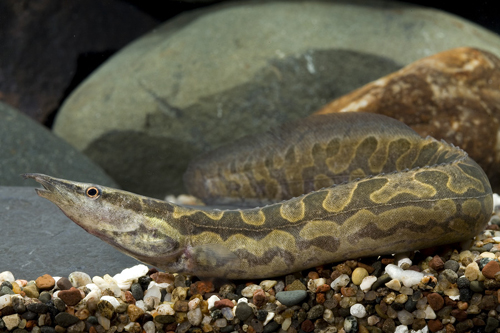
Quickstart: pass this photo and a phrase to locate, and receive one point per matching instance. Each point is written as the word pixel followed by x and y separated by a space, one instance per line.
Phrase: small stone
pixel 405 317
pixel 435 300
pixel 45 282
pixel 268 284
pixel 64 283
pixel 296 285
pixel 307 326
pixel 472 271
pixel 11 321
pixel 435 325
pixel 358 275
pixel 290 298
pixel 223 303
pixel 39 308
pixel 134 312
pixel 137 291
pixel 450 275
pixel 160 277
pixel 491 324
pixel 394 285
pixel 367 282
pixel 65 319
pixel 31 291
pixel 341 281
pixel 228 313
pixel 315 312
pixel 195 316
pixel 477 286
pixel 259 298
pixel 79 279
pixel 106 309
pixel 452 264
pixel 358 310
pixel 201 287
pixel 350 324
pixel 243 311
pixel 70 297
pixel 436 263
pixel 490 269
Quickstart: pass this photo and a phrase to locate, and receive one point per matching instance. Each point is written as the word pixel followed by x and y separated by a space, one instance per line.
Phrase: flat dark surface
pixel 37 238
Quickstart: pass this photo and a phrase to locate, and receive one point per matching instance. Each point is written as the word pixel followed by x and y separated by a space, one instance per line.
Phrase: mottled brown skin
pixel 412 193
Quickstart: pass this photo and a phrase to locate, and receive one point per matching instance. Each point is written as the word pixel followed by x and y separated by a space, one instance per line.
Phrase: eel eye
pixel 93 192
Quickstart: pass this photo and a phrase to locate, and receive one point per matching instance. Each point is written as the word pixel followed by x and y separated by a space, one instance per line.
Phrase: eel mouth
pixel 48 183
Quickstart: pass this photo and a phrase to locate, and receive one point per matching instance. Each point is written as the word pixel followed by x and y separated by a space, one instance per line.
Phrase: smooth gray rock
pixel 36 238
pixel 26 146
pixel 219 73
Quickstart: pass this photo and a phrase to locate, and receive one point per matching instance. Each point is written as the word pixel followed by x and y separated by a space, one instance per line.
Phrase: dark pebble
pixel 92 320
pixel 183 327
pixel 38 308
pixel 64 284
pixel 477 286
pixel 18 305
pixel 216 314
pixel 44 297
pixel 144 282
pixel 227 329
pixel 491 324
pixel 261 315
pixel 19 330
pixel 464 326
pixel 59 304
pixel 6 291
pixel 272 326
pixel 389 325
pixel 47 329
pixel 292 297
pixel 465 294
pixel 450 275
pixel 137 291
pixel 315 312
pixel 381 281
pixel 65 319
pixel 28 315
pixel 243 311
pixel 410 305
pixel 463 282
pixel 6 284
pixel 257 325
pixel 164 319
pixel 452 265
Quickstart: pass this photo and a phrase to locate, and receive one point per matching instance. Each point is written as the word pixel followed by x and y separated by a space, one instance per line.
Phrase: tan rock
pixel 452 95
pixel 45 282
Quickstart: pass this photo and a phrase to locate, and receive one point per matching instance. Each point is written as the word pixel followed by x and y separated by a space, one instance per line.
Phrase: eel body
pixel 334 187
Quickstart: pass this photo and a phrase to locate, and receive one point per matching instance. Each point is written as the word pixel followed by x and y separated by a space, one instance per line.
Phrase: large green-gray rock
pixel 26 146
pixel 210 76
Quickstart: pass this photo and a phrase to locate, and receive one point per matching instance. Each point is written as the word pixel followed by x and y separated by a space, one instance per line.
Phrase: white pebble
pixel 194 303
pixel 227 313
pixel 367 282
pixel 269 317
pixel 140 304
pixel 313 284
pixel 165 309
pixel 408 277
pixel 341 281
pixel 111 300
pixel 243 300
pixel 211 301
pixel 267 284
pixel 286 324
pixel 249 290
pixel 153 292
pixel 358 310
pixel 328 316
pixel 149 326
pixel 429 313
pixel 107 283
pixel 195 316
pixel 93 294
pixel 11 321
pixel 129 326
pixel 79 279
pixel 6 276
pixel 105 322
pixel 401 329
pixel 373 320
pixel 394 284
pixel 221 322
pixel 130 275
pixel 5 300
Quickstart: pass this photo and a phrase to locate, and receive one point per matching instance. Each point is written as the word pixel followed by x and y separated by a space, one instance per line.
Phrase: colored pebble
pixel 457 292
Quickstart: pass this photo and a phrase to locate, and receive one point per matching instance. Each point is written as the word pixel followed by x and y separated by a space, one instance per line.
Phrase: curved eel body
pixel 352 185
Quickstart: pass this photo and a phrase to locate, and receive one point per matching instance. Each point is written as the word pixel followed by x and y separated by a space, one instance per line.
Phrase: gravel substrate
pixel 439 290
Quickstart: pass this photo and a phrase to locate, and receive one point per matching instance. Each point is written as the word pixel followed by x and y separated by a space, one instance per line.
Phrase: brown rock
pixel 368 268
pixel 436 301
pixel 53 47
pixel 70 297
pixel 64 283
pixel 450 328
pixel 160 277
pixel 320 298
pixel 259 298
pixel 460 315
pixel 435 325
pixel 323 288
pixel 313 275
pixel 129 298
pixel 224 303
pixel 45 282
pixel 348 291
pixel 490 269
pixel 452 95
pixel 201 287
pixel 181 306
pixel 307 326
pixel 436 263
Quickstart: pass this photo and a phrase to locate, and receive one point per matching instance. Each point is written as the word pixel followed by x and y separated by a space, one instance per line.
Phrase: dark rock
pixel 292 297
pixel 452 264
pixel 137 291
pixel 243 311
pixel 39 308
pixel 64 283
pixel 65 319
pixel 491 324
pixel 39 57
pixel 272 326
